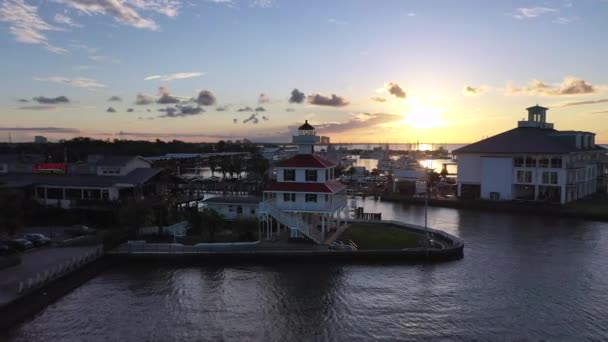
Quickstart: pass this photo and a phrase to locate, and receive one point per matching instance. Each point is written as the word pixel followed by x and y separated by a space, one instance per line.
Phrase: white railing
pixel 337 203
pixel 290 220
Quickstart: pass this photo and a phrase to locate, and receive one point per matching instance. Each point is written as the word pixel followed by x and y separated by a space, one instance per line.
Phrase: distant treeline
pixel 79 148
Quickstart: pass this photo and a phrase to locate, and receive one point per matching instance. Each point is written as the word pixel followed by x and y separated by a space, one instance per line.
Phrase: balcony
pixel 336 203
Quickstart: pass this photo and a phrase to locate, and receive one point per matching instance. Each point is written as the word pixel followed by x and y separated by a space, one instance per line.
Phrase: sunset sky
pixel 360 71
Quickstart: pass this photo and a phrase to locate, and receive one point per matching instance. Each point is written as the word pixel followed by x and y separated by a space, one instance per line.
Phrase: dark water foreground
pixel 522 278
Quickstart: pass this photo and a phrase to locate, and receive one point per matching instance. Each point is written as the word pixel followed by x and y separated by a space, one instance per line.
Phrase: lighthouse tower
pixel 307 199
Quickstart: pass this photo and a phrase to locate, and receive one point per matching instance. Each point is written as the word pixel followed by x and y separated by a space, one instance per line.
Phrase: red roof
pixel 306 160
pixel 332 186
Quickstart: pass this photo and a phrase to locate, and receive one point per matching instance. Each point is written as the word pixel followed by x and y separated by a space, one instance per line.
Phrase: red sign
pixel 51 168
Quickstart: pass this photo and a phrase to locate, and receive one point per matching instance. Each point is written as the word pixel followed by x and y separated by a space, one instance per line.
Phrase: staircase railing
pixel 292 221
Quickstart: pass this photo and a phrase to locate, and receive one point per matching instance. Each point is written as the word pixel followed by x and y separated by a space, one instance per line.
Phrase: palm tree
pixel 212 165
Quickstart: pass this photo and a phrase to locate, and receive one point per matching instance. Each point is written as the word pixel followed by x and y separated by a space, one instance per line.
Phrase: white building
pixel 307 199
pixel 234 207
pixel 39 139
pixel 533 162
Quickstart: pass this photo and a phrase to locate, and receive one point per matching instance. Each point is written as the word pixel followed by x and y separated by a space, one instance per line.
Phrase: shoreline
pixel 562 211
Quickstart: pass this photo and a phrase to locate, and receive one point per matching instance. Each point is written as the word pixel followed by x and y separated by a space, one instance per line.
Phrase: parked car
pixel 19 244
pixel 6 249
pixel 37 239
pixel 79 230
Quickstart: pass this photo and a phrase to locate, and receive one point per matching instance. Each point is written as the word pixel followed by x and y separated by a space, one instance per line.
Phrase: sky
pixel 375 71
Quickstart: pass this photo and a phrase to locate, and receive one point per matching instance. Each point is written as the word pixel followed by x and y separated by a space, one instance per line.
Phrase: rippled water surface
pixel 522 278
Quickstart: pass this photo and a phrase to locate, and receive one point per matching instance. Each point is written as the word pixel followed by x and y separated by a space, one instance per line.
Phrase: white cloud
pixel 337 21
pixel 76 82
pixel 63 19
pixel 119 10
pixel 26 25
pixel 176 76
pixel 532 12
pixel 170 8
pixel 475 91
pixel 565 20
pixel 411 14
pixel 262 3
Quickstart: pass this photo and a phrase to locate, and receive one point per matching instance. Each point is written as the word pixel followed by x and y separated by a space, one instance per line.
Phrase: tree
pixel 135 214
pixel 212 165
pixel 212 222
pixel 225 166
pixel 11 218
pixel 444 173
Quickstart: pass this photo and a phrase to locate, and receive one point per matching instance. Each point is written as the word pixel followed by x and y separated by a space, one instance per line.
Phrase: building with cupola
pixel 533 162
pixel 306 200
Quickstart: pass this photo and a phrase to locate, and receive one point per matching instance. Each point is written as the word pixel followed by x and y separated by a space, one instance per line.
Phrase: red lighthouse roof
pixel 306 160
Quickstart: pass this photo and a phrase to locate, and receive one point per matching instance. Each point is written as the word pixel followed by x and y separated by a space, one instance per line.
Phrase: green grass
pixel 380 236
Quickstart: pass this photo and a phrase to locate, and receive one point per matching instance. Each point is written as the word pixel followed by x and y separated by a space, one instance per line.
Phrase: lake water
pixel 522 278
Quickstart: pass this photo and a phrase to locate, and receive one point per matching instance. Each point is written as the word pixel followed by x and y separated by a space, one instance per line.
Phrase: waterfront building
pixel 532 162
pixel 234 207
pixel 99 183
pixel 39 139
pixel 306 199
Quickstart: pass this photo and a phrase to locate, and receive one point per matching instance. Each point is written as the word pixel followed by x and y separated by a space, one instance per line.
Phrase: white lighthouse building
pixel 306 199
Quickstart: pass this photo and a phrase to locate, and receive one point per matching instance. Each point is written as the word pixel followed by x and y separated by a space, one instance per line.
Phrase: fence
pixel 45 277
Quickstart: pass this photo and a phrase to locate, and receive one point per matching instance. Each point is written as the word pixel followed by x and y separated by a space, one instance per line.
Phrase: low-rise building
pixel 234 207
pixel 532 162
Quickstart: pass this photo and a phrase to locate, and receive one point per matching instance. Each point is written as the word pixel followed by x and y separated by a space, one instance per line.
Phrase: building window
pixel 549 178
pixel 289 197
pixel 40 192
pixel 239 210
pixel 530 162
pixel 543 162
pixel 311 197
pixel 289 175
pixel 524 176
pixel 230 209
pixel 54 193
pixel 311 175
pixel 105 195
pixel 252 211
pixel 73 194
pixel 556 163
pixel 518 161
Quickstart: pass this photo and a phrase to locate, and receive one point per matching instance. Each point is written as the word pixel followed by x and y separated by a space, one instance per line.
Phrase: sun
pixel 422 116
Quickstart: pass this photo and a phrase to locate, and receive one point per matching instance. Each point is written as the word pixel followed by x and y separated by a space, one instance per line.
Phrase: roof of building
pixel 137 176
pixel 306 160
pixel 523 140
pixel 234 200
pixel 537 106
pixel 306 126
pixel 23 158
pixel 327 187
pixel 109 160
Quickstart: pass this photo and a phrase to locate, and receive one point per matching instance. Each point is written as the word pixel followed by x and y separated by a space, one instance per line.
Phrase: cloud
pixel 262 3
pixel 111 110
pixel 170 8
pixel 569 86
pixel 37 107
pixel 290 110
pixel 600 112
pixel 165 97
pixel 263 98
pixel 143 99
pixel 206 98
pixel 115 99
pixel 337 21
pixel 40 129
pixel 566 20
pixel 580 103
pixel 395 89
pixel 245 109
pixel 122 11
pixel 26 25
pixel 472 91
pixel 378 99
pixel 332 101
pixel 180 111
pixel 63 19
pixel 23 100
pixel 253 119
pixel 51 100
pixel 411 14
pixel 222 108
pixel 359 121
pixel 235 120
pixel 75 82
pixel 532 12
pixel 265 118
pixel 260 109
pixel 297 96
pixel 176 76
pixel 152 135
pixel 130 110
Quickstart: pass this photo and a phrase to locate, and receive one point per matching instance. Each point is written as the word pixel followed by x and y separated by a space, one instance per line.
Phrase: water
pixel 522 278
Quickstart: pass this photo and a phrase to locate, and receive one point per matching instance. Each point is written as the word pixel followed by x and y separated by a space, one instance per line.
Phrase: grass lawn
pixel 380 236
